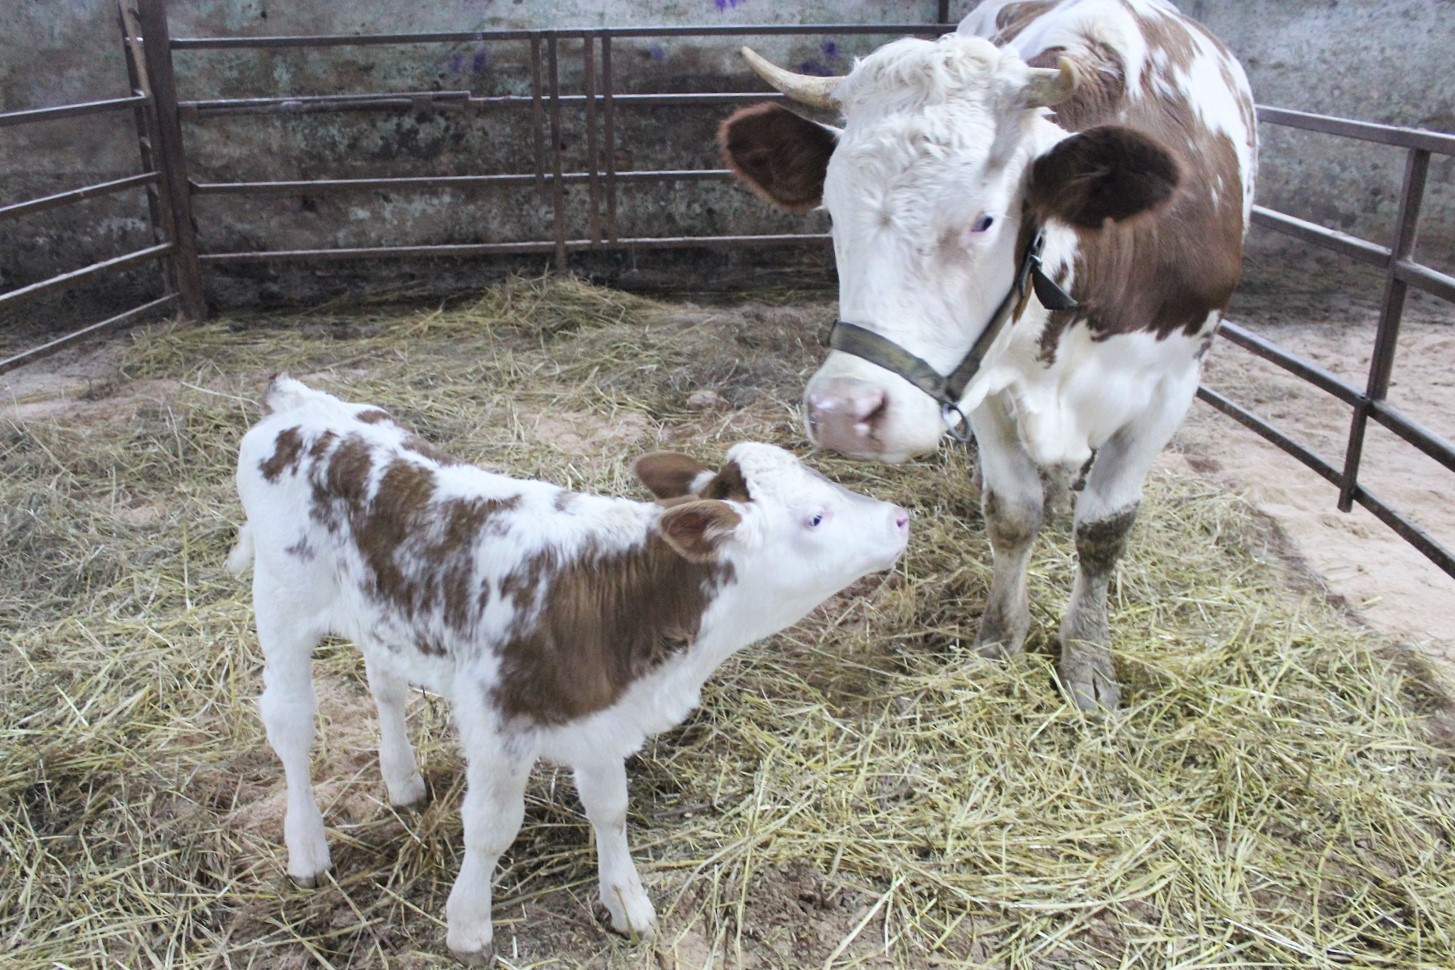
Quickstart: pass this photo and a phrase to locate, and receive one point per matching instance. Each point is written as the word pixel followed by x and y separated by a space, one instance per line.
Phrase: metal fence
pixel 159 114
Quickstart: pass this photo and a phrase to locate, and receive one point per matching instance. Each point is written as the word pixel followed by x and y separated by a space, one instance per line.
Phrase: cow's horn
pixel 817 92
pixel 1048 86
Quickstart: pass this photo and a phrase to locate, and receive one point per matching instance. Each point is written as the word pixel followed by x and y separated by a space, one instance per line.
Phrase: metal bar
pixel 558 196
pixel 514 248
pixel 942 12
pixel 1420 138
pixel 1366 252
pixel 1427 441
pixel 1312 373
pixel 537 112
pixel 451 37
pixel 158 215
pixel 310 104
pixel 593 161
pixel 10 118
pixel 112 323
pixel 426 182
pixel 1408 531
pixel 74 278
pixel 170 156
pixel 18 209
pixel 1253 422
pixel 608 93
pixel 1424 278
pixel 1386 337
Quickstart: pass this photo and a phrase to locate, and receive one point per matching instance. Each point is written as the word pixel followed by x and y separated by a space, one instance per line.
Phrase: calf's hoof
pixel 484 957
pixel 309 881
pixel 410 797
pixel 630 914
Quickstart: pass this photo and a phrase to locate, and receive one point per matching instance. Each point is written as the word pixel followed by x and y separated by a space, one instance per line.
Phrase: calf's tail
pixel 241 556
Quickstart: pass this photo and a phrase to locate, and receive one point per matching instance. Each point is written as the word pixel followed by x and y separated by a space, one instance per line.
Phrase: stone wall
pixel 1379 62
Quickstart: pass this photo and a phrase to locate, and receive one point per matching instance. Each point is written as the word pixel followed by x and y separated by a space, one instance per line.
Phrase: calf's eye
pixel 816 520
pixel 982 223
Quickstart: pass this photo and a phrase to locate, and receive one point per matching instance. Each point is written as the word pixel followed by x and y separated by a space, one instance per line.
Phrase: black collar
pixel 854 339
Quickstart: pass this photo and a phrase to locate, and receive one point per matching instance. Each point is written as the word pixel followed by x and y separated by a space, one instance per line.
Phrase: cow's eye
pixel 816 520
pixel 982 223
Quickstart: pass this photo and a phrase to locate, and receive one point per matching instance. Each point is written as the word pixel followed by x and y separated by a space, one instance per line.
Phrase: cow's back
pixel 1142 64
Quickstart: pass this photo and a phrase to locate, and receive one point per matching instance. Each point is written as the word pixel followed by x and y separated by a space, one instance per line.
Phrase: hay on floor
pixel 861 791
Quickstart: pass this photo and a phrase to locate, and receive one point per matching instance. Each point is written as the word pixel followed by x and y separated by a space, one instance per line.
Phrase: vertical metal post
pixel 167 151
pixel 145 135
pixel 609 110
pixel 588 64
pixel 558 200
pixel 537 121
pixel 942 15
pixel 1387 336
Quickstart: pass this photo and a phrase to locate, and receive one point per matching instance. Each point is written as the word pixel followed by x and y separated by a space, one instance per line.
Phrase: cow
pixel 1037 222
pixel 558 625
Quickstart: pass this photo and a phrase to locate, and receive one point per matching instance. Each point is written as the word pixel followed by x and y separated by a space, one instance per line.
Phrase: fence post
pixel 167 154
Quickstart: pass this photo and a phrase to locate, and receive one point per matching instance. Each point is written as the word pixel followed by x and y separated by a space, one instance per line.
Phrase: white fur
pixel 784 567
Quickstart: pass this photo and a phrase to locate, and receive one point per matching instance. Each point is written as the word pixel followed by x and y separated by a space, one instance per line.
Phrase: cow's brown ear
pixel 780 155
pixel 667 474
pixel 1108 172
pixel 696 529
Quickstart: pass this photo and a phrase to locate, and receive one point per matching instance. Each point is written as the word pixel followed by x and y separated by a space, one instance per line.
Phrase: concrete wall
pixel 1376 61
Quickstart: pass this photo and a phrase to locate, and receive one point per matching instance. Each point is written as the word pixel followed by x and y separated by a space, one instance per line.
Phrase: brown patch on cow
pixel 286 451
pixel 605 620
pixel 564 500
pixel 424 449
pixel 1015 17
pixel 302 550
pixel 781 156
pixel 1104 173
pixel 372 416
pixel 1172 268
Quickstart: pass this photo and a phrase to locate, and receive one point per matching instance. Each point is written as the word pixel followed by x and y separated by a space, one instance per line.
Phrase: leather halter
pixel 947 390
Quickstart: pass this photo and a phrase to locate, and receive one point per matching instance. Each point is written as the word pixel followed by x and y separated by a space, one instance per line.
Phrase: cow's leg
pixel 396 757
pixel 1012 501
pixel 287 637
pixel 495 778
pixel 1105 511
pixel 603 793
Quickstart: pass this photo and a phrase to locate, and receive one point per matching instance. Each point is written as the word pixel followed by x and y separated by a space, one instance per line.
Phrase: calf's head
pixel 945 165
pixel 784 527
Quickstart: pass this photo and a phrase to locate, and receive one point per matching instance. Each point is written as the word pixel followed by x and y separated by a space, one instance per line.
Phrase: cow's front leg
pixel 1012 501
pixel 603 793
pixel 1105 511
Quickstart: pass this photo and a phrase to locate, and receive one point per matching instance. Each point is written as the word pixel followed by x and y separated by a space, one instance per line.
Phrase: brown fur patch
pixel 372 416
pixel 606 620
pixel 728 484
pixel 781 156
pixel 286 452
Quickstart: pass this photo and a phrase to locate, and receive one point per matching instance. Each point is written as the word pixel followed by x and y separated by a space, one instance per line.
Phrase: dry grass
pixel 861 791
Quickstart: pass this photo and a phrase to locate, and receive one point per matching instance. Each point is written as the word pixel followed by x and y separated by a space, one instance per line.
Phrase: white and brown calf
pixel 559 625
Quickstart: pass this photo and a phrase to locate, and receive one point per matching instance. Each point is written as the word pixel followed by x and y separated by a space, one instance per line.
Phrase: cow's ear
pixel 696 529
pixel 781 156
pixel 667 474
pixel 1108 172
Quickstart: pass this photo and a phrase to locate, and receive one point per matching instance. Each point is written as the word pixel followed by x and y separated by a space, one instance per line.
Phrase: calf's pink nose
pixel 901 520
pixel 843 413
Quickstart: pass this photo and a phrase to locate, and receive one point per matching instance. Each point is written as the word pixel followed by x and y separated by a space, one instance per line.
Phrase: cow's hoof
pixel 1008 649
pixel 310 881
pixel 630 914
pixel 412 798
pixel 1092 686
pixel 484 957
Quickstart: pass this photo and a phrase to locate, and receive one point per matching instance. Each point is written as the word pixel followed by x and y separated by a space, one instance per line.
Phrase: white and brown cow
pixel 1038 221
pixel 558 625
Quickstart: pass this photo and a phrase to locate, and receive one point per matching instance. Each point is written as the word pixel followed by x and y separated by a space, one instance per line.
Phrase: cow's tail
pixel 241 556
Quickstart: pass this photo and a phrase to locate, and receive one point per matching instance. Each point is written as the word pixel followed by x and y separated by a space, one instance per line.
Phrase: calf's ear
pixel 780 155
pixel 668 475
pixel 696 529
pixel 1107 172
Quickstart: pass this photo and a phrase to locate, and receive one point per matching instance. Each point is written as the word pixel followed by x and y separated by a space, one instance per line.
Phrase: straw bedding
pixel 860 791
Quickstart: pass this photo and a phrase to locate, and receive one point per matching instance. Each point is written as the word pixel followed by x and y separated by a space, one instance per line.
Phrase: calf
pixel 559 625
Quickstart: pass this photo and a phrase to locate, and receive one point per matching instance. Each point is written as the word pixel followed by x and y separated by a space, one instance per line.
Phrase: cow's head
pixel 945 162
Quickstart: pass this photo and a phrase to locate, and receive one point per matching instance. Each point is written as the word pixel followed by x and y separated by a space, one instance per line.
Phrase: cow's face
pixel 944 158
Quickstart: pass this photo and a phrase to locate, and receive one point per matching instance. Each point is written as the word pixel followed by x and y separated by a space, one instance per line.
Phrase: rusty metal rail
pixel 1401 271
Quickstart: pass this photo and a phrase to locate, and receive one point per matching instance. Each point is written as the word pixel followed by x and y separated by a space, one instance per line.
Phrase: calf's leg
pixel 396 757
pixel 603 791
pixel 287 638
pixel 495 778
pixel 1012 500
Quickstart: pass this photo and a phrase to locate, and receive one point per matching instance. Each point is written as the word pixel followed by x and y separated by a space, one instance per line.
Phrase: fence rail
pixel 160 117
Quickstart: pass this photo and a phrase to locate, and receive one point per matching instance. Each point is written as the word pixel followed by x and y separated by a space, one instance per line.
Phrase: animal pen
pixel 861 791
